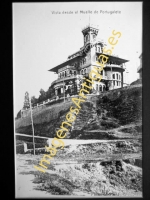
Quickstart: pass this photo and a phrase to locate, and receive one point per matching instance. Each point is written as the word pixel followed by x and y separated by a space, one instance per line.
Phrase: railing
pixel 48 101
pixel 64 78
pixel 114 65
pixel 24 144
pixel 104 77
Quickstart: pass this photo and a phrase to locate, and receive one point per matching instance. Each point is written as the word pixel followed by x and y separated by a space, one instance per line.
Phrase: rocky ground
pixel 110 165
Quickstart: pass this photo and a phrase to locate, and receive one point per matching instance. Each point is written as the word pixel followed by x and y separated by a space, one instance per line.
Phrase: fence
pixel 44 104
pixel 22 148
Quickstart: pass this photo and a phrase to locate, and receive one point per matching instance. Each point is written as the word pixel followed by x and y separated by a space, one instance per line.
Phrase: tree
pixel 42 96
pixel 33 100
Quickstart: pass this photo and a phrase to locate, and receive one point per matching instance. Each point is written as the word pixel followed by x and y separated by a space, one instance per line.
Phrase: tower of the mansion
pixel 81 63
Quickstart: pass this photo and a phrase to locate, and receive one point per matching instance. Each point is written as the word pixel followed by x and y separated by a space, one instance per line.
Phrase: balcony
pixel 114 65
pixel 64 79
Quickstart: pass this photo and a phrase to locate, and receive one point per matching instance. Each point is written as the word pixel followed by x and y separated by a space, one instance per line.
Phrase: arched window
pixel 84 71
pixel 100 88
pixel 96 87
pixel 88 37
pixel 104 88
pixel 117 76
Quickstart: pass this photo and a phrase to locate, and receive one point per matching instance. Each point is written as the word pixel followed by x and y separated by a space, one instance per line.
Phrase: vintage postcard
pixel 77 71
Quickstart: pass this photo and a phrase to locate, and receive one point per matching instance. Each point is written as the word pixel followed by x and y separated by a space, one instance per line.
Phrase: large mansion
pixel 80 63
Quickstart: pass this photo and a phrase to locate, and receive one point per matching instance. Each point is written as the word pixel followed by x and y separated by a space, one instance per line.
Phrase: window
pixel 84 71
pixel 113 76
pixel 98 49
pixel 100 88
pixel 81 72
pixel 114 82
pixel 96 87
pixel 117 76
pixel 74 72
pixel 117 83
pixel 103 87
pixel 65 74
pixel 62 74
pixel 96 58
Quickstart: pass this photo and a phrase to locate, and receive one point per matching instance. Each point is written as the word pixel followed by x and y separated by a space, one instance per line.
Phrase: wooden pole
pixel 32 126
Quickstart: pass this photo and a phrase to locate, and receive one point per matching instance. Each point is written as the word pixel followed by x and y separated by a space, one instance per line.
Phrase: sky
pixel 42 40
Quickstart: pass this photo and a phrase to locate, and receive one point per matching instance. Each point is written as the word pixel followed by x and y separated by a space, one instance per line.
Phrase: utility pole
pixel 32 126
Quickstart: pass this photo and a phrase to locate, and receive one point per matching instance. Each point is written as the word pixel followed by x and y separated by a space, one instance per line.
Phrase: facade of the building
pixel 79 65
pixel 139 69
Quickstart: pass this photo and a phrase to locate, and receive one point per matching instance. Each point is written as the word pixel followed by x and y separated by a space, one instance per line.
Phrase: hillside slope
pixel 111 110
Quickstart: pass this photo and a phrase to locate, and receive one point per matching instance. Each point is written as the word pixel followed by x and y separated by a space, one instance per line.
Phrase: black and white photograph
pixel 77 91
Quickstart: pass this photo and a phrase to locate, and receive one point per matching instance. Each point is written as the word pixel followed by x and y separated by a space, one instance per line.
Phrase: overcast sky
pixel 42 40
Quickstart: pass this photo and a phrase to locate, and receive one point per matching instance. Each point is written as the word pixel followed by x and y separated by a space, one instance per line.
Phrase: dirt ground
pixel 75 172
